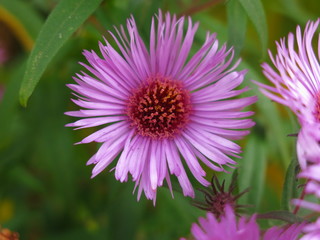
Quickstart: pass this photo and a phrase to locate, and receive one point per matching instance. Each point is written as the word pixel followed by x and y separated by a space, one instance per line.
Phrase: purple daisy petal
pixel 158 111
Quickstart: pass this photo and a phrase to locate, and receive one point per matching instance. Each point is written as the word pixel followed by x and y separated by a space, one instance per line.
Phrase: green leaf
pixel 62 22
pixel 296 11
pixel 281 215
pixel 9 106
pixel 237 25
pixel 252 172
pixel 255 12
pixel 290 186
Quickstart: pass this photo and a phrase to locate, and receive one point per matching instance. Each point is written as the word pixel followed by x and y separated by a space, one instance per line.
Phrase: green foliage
pixel 256 13
pixel 290 186
pixel 237 25
pixel 64 20
pixel 252 172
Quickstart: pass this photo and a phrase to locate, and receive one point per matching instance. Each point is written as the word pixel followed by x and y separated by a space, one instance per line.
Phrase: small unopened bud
pixel 217 198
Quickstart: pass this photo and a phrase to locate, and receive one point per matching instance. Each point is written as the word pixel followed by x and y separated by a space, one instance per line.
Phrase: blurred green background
pixel 45 186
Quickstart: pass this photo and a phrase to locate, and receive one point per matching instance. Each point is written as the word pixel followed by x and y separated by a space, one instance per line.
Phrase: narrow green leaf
pixel 62 22
pixel 255 12
pixel 252 172
pixel 290 186
pixel 237 25
pixel 281 215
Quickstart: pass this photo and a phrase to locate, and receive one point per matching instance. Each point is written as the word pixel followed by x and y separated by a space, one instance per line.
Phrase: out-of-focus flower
pixel 6 234
pixel 3 55
pixel 312 231
pixel 297 82
pixel 217 198
pixel 290 232
pixel 312 187
pixel 9 45
pixel 229 228
pixel 156 106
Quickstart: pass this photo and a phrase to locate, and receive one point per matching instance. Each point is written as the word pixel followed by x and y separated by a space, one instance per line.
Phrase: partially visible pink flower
pixel 296 84
pixel 161 109
pixel 229 228
pixel 296 79
pixel 308 150
pixel 312 231
pixel 308 147
pixel 291 232
pixel 312 174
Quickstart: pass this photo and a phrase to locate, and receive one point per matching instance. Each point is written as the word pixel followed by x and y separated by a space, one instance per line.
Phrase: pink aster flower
pixel 312 187
pixel 161 109
pixel 229 228
pixel 226 229
pixel 297 83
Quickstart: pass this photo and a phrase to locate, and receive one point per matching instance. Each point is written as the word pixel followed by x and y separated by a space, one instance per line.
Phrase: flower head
pixel 226 229
pixel 6 234
pixel 158 110
pixel 297 76
pixel 297 85
pixel 229 228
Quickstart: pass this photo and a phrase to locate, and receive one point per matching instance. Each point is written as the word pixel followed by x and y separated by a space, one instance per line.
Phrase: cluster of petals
pixel 296 83
pixel 213 123
pixel 229 228
pixel 312 231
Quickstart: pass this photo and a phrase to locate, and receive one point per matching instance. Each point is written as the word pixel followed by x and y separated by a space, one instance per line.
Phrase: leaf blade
pixel 255 12
pixel 62 22
pixel 237 25
pixel 290 186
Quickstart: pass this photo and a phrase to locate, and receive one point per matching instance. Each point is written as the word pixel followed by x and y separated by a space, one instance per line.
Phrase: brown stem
pixel 303 194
